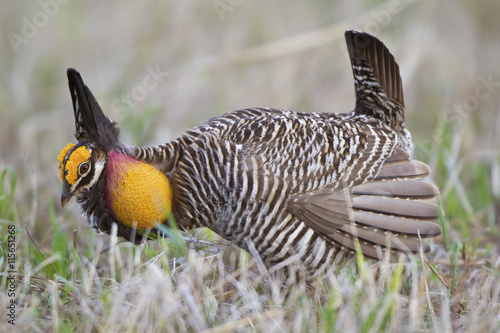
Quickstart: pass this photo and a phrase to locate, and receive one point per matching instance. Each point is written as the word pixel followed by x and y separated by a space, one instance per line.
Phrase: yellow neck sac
pixel 136 193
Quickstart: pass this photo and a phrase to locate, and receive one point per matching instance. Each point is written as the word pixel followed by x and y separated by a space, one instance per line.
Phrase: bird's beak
pixel 66 197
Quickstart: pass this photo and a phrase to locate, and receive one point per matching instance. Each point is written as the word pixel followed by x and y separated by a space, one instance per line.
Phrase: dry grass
pixel 256 54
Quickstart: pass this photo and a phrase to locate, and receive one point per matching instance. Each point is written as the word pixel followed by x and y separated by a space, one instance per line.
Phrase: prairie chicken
pixel 308 185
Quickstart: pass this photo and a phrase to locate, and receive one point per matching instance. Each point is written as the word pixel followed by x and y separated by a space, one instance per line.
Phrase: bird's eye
pixel 83 168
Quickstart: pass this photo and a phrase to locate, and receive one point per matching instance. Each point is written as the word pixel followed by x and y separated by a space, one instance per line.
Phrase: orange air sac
pixel 136 192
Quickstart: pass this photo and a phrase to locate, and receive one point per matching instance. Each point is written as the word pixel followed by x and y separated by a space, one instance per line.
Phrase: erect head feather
pixel 90 121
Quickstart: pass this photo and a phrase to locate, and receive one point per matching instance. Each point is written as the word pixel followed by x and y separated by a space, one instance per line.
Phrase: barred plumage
pixel 302 185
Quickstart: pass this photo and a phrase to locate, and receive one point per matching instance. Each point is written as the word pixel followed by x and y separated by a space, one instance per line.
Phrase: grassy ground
pixel 209 59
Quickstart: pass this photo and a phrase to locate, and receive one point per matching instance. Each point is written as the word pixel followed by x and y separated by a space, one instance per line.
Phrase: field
pixel 159 68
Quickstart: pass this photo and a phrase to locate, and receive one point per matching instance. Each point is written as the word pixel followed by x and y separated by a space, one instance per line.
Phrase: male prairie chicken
pixel 307 185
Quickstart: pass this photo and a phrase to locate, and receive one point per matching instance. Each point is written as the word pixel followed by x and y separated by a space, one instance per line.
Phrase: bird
pixel 315 188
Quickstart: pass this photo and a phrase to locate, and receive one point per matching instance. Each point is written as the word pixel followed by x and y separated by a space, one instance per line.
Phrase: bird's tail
pixel 378 85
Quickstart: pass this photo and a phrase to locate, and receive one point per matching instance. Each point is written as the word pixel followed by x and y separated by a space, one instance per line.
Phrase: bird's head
pixel 110 185
pixel 80 169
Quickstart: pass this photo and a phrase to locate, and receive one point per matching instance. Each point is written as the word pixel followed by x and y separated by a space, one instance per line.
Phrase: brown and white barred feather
pixel 308 184
pixel 300 184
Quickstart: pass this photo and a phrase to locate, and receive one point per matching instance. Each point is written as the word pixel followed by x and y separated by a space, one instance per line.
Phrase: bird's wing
pixel 393 208
pixel 350 181
pixel 347 181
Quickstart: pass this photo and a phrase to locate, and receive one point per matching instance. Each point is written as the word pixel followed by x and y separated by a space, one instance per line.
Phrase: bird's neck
pixel 136 193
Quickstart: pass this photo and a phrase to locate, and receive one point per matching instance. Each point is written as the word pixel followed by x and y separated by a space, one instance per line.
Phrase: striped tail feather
pixel 377 82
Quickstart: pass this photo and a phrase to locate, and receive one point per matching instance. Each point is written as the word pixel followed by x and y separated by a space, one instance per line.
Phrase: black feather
pixel 90 121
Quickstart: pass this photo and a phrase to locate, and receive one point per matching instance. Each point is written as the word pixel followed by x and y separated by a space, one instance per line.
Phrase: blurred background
pixel 161 67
